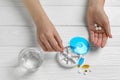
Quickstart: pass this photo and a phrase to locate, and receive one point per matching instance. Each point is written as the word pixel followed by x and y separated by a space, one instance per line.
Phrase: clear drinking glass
pixel 30 58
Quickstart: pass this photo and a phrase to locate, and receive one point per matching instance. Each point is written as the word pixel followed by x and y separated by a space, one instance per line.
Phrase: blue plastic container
pixel 79 45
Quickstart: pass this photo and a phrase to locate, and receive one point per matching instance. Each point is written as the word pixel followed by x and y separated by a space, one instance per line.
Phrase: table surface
pixel 17 31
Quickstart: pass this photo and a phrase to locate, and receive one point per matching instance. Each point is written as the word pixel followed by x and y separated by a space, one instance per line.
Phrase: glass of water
pixel 30 58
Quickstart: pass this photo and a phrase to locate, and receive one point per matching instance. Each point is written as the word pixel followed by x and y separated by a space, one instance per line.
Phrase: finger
pixel 99 31
pixel 95 38
pixel 46 44
pixel 107 29
pixel 92 36
pixel 59 41
pixel 99 42
pixel 54 44
pixel 50 48
pixel 104 40
pixel 91 31
pixel 42 45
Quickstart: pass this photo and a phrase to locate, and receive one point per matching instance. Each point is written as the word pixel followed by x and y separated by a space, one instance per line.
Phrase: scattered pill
pixel 85 66
pixel 81 61
pixel 80 71
pixel 85 70
pixel 89 70
pixel 78 66
pixel 85 73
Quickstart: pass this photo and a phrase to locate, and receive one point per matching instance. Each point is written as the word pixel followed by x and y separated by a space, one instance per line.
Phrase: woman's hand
pixel 48 37
pixel 97 15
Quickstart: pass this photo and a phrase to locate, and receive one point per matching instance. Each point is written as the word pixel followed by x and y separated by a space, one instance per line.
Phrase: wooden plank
pixel 17 35
pixel 104 65
pixel 74 15
pixel 67 32
pixel 11 3
pixel 26 36
pixel 59 15
pixel 77 2
pixel 105 56
pixel 114 3
pixel 96 57
pixel 54 73
pixel 14 16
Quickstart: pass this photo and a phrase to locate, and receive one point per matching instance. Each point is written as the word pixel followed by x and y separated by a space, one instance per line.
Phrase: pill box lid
pixel 79 45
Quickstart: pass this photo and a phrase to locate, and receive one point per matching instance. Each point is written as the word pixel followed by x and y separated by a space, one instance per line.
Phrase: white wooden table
pixel 17 31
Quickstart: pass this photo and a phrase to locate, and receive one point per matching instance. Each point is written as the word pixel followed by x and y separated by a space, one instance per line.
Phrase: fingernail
pixel 61 49
pixel 102 45
pixel 110 36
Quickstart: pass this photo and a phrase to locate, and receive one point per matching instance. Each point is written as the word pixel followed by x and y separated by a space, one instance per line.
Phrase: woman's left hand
pixel 96 16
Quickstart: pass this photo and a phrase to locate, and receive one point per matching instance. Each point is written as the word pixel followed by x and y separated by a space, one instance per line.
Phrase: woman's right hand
pixel 48 36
